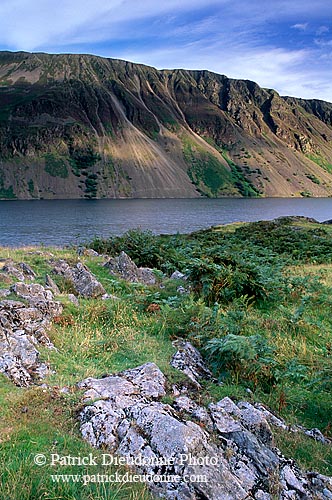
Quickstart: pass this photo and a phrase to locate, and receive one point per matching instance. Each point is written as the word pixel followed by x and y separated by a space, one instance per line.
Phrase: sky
pixel 280 44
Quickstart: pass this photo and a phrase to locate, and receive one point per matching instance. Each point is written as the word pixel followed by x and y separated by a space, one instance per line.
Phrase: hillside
pixel 75 126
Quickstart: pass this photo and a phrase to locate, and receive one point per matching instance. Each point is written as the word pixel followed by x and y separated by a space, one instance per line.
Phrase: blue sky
pixel 281 44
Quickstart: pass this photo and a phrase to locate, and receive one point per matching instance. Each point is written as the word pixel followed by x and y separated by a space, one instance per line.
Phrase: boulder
pixel 19 271
pixel 22 329
pixel 83 281
pixel 177 275
pixel 126 269
pixel 51 285
pixel 38 297
pixel 188 360
pixel 223 452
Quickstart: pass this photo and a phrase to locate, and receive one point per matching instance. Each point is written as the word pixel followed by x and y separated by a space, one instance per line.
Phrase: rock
pixel 89 252
pixel 108 296
pixel 255 421
pixel 126 269
pixel 11 270
pixel 72 298
pixel 288 475
pixel 224 444
pixel 82 280
pixel 317 435
pixel 51 285
pixel 31 292
pixel 188 360
pixel 19 271
pixel 261 495
pixel 178 276
pixel 181 290
pixel 38 297
pixel 27 271
pixel 278 422
pixel 64 390
pixel 4 293
pixel 22 329
pixel 130 422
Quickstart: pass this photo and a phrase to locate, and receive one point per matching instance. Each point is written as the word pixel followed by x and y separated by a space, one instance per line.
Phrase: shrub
pixel 248 358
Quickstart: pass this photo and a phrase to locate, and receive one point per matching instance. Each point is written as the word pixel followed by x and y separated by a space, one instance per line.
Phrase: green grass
pixel 56 165
pixel 320 161
pixel 206 172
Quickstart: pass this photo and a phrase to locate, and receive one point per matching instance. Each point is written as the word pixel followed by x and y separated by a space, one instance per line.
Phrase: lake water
pixel 60 222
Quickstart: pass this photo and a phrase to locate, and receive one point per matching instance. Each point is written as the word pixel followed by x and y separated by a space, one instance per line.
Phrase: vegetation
pixel 257 310
pixel 322 162
pixel 56 166
pixel 205 171
pixel 6 193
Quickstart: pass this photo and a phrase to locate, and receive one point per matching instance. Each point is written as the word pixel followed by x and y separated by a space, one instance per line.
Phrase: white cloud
pixel 236 38
pixel 322 29
pixel 32 24
pixel 300 26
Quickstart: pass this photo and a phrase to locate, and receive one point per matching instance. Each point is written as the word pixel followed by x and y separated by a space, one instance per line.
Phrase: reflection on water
pixel 59 222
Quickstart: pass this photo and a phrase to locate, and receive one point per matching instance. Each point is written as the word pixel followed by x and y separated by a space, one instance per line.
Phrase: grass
pixel 289 308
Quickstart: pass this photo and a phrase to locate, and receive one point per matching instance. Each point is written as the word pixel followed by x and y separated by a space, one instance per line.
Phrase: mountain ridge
pixel 82 126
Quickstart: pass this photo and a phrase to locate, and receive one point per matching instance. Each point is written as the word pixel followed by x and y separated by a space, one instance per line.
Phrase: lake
pixel 61 222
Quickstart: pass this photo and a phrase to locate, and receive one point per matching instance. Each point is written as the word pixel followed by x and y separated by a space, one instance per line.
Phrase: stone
pixel 188 360
pixel 89 252
pixel 51 285
pixel 292 481
pixel 73 299
pixel 39 297
pixel 14 271
pixel 177 275
pixel 108 296
pixel 83 281
pixel 27 271
pixel 126 269
pixel 19 271
pixel 22 329
pixel 225 445
pixel 254 421
pixel 262 495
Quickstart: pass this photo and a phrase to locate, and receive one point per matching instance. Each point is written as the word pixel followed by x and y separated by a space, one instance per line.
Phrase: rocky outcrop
pixel 189 360
pixel 19 271
pixel 126 269
pixel 80 278
pixel 23 327
pixel 189 452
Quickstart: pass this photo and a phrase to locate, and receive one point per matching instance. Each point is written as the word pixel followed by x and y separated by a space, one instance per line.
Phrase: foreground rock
pixel 82 280
pixel 126 269
pixel 223 452
pixel 22 329
pixel 20 271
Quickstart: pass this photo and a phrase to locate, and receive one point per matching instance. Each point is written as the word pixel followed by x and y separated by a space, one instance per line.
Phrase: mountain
pixel 81 126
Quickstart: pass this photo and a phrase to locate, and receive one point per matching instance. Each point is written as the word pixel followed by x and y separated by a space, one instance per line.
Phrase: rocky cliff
pixel 80 126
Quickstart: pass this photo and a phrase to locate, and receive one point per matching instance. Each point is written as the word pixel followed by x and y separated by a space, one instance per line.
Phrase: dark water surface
pixel 59 222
